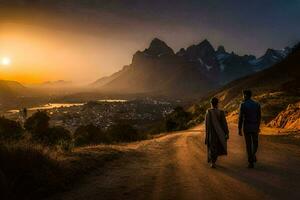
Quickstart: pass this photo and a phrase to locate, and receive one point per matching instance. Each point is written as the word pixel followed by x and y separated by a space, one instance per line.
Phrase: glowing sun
pixel 5 61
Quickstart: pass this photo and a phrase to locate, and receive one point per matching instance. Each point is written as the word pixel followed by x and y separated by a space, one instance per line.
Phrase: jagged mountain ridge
pixel 283 76
pixel 275 88
pixel 158 69
pixel 234 66
pixel 270 57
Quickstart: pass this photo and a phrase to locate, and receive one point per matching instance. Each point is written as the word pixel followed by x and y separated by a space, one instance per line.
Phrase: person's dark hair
pixel 214 101
pixel 247 94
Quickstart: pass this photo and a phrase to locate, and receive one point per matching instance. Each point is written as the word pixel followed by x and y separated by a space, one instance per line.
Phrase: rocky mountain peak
pixel 159 48
pixel 206 45
pixel 204 50
pixel 270 52
pixel 221 50
pixel 273 55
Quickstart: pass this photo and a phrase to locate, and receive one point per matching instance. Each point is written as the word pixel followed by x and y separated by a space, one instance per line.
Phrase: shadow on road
pixel 269 179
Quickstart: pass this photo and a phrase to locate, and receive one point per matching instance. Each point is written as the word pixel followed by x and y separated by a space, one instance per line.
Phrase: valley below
pixel 141 113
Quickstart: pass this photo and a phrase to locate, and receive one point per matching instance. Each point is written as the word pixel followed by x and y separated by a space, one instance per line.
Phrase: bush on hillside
pixel 37 124
pixel 157 128
pixel 56 135
pixel 178 119
pixel 121 132
pixel 89 134
pixel 198 113
pixel 10 130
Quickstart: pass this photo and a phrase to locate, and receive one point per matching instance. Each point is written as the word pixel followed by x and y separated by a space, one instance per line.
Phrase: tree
pixel 38 126
pixel 37 123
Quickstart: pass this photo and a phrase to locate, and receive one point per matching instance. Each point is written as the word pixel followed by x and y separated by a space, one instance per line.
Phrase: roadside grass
pixel 30 171
pixel 41 160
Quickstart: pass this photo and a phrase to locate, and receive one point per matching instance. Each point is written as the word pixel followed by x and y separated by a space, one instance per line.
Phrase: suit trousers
pixel 251 139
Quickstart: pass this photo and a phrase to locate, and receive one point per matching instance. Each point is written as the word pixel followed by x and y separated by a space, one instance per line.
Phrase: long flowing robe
pixel 217 134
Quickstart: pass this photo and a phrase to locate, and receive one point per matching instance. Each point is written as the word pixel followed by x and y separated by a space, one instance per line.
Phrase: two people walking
pixel 217 132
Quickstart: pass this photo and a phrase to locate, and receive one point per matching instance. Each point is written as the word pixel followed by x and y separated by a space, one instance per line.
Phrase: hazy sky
pixel 82 40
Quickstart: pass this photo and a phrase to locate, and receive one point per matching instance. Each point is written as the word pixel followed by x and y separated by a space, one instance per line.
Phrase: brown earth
pixel 174 167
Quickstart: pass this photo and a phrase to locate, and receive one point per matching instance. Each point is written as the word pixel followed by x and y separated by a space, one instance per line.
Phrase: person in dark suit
pixel 249 122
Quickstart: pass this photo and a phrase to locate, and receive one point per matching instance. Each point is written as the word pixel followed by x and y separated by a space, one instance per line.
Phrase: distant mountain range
pixel 234 66
pixel 158 70
pixel 191 72
pixel 283 76
pixel 11 88
pixel 55 84
pixel 277 88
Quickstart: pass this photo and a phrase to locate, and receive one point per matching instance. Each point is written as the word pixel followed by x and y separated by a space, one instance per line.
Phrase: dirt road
pixel 175 167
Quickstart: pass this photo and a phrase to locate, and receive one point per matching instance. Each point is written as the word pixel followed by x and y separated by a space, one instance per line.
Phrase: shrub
pixel 89 134
pixel 198 112
pixel 171 125
pixel 56 135
pixel 37 124
pixel 10 129
pixel 124 133
pixel 157 128
pixel 178 120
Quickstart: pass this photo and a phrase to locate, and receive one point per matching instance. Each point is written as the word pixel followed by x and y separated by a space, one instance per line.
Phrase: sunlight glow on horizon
pixel 5 61
pixel 38 55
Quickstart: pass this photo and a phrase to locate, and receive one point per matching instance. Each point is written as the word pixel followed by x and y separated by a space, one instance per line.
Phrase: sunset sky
pixel 83 40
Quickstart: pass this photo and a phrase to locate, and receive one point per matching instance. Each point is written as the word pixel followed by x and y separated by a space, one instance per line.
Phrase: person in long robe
pixel 217 132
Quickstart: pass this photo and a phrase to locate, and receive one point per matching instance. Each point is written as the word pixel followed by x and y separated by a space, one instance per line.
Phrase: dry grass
pixel 31 171
pixel 271 103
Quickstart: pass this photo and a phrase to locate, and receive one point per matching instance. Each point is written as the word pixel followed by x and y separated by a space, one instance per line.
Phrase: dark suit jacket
pixel 249 116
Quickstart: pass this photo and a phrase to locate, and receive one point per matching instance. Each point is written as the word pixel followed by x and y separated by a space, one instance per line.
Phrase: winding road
pixel 174 167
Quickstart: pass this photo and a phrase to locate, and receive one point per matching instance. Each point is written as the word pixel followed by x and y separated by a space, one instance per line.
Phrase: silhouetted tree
pixel 38 126
pixel 37 123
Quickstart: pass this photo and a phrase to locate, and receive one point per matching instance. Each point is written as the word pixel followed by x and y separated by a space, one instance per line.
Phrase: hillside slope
pixel 288 118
